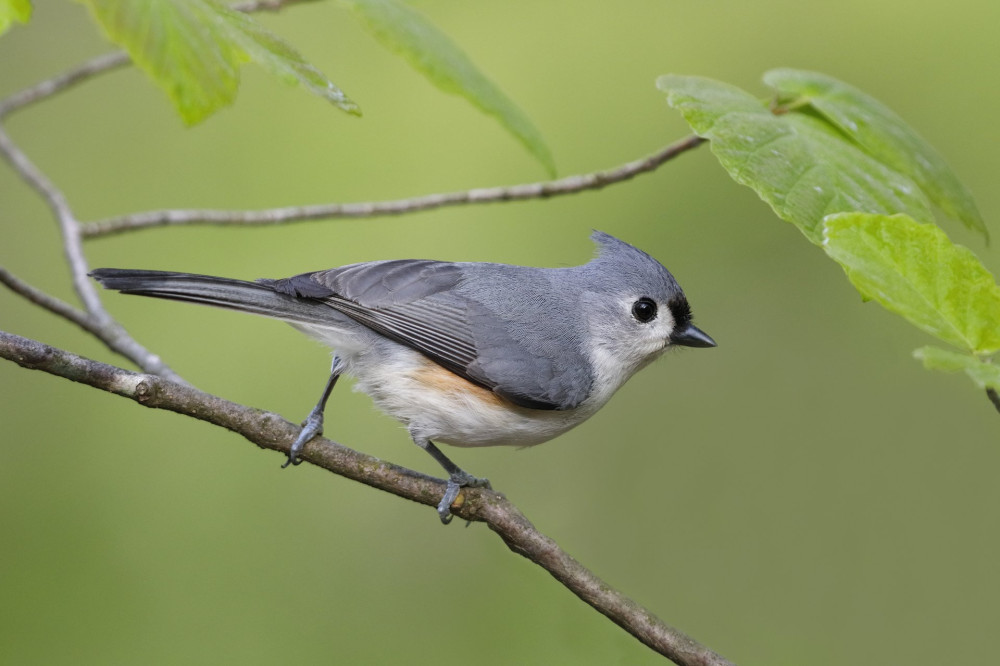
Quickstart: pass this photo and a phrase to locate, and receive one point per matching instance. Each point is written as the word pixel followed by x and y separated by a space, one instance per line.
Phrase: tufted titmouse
pixel 469 354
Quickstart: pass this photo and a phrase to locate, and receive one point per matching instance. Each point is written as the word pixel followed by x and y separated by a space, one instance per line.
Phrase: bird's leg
pixel 313 425
pixel 457 478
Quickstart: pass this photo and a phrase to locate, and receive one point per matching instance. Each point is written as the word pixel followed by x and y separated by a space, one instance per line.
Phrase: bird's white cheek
pixel 663 330
pixel 612 366
pixel 615 361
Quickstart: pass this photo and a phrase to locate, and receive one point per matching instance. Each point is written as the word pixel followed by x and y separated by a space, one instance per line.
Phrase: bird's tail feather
pixel 252 297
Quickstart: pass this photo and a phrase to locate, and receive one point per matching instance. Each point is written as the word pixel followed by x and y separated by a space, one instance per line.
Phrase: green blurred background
pixel 803 494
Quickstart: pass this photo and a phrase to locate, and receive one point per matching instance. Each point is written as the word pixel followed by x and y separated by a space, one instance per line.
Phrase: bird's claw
pixel 291 461
pixel 458 481
pixel 311 427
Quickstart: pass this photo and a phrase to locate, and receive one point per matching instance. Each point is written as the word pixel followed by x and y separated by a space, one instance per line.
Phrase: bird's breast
pixel 444 407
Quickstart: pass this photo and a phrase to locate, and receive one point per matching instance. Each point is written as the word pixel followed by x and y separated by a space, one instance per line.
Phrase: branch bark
pixel 270 216
pixel 101 323
pixel 270 431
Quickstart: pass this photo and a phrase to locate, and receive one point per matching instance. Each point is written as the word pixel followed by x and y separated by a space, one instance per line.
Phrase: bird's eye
pixel 644 310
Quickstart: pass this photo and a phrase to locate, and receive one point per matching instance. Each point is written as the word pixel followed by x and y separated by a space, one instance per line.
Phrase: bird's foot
pixel 457 481
pixel 311 427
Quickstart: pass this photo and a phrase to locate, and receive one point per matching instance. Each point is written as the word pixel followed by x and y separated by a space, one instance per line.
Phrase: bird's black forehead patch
pixel 680 310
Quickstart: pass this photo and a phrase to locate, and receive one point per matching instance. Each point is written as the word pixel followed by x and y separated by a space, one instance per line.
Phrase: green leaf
pixel 881 133
pixel 798 163
pixel 13 10
pixel 194 48
pixel 915 271
pixel 430 51
pixel 982 372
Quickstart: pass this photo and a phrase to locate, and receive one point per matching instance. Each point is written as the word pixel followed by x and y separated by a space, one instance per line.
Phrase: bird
pixel 465 353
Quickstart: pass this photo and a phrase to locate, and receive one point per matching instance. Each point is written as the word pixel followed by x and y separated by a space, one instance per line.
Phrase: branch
pixel 102 324
pixel 111 334
pixel 106 63
pixel 265 5
pixel 50 303
pixel 49 87
pixel 68 225
pixel 96 320
pixel 270 431
pixel 271 216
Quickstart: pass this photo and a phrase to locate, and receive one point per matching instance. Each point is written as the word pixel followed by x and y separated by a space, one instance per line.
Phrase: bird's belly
pixel 443 407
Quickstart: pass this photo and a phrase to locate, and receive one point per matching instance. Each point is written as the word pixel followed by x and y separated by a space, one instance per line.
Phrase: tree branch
pixel 96 320
pixel 51 303
pixel 265 5
pixel 68 225
pixel 102 324
pixel 271 216
pixel 270 431
pixel 284 215
pixel 106 63
pixel 111 334
pixel 49 87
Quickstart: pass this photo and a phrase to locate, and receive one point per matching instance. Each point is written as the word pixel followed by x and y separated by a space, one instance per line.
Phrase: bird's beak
pixel 691 336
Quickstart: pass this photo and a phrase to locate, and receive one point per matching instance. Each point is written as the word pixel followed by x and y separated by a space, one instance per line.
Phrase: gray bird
pixel 468 354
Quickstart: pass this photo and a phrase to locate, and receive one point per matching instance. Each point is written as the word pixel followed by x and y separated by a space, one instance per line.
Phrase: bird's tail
pixel 253 297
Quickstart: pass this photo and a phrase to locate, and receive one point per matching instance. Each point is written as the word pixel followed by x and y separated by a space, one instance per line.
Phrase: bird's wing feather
pixel 419 304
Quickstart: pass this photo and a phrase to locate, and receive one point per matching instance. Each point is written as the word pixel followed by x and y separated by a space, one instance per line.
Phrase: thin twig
pixel 270 216
pixel 265 5
pixel 49 87
pixel 112 335
pixel 96 319
pixel 50 303
pixel 270 431
pixel 68 225
pixel 106 63
pixel 109 331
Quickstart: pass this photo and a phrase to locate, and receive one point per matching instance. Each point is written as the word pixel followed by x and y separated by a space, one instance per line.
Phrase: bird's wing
pixel 419 304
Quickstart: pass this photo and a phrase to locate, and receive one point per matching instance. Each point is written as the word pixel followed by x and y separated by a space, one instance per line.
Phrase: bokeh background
pixel 804 494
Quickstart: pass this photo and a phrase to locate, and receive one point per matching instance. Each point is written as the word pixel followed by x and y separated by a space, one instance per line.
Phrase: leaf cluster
pixel 862 184
pixel 194 49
